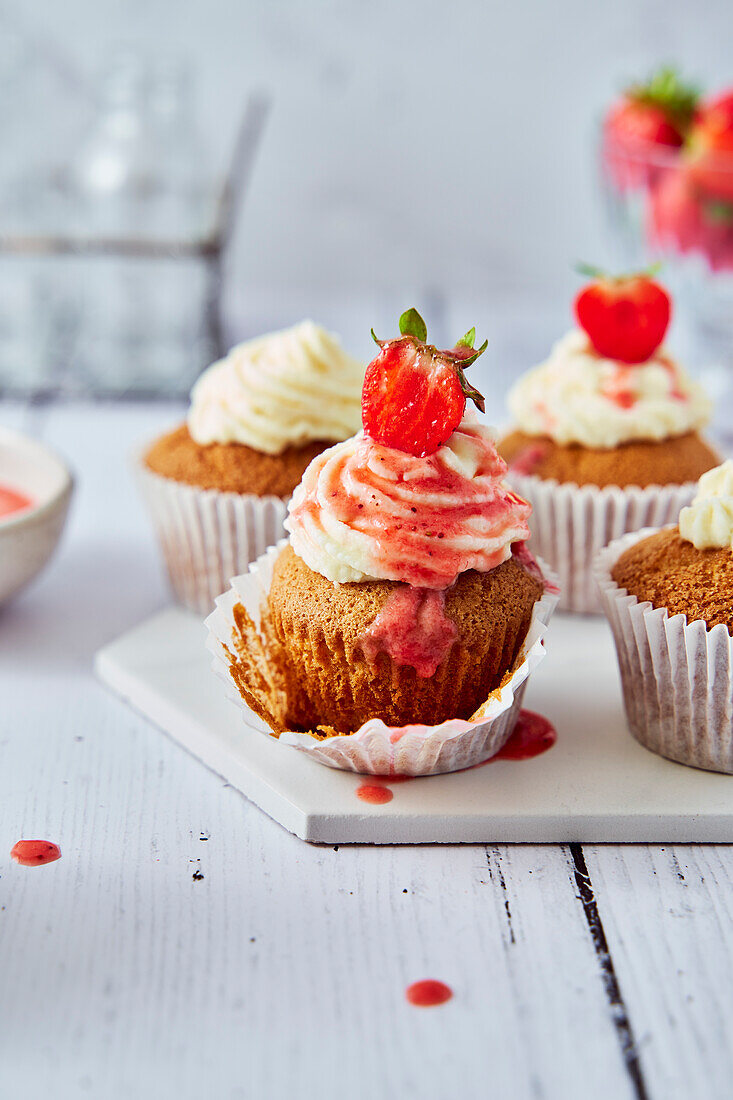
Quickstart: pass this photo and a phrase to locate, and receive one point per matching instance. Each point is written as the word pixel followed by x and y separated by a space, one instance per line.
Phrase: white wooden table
pixel 601 972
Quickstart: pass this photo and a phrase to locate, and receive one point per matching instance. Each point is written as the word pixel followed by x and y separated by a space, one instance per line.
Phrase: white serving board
pixel 597 784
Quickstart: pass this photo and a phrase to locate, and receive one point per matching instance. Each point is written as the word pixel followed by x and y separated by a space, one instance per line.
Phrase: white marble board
pixel 596 785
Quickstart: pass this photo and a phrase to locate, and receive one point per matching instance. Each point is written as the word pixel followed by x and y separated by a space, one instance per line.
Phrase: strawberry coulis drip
pixel 12 501
pixel 532 736
pixel 620 390
pixel 374 793
pixel 426 520
pixel 413 629
pixel 428 993
pixel 34 853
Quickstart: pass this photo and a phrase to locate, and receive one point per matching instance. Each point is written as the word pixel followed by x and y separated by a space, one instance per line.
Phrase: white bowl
pixel 28 538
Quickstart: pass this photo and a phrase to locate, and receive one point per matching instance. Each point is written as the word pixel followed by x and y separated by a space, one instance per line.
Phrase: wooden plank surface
pixel 667 913
pixel 281 972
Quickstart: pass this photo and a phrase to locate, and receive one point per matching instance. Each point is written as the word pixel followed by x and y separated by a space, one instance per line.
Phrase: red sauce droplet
pixel 34 853
pixel 428 993
pixel 532 736
pixel 377 796
pixel 12 501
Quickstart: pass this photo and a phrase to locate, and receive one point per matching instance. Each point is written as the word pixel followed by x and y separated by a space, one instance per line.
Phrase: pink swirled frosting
pixel 364 511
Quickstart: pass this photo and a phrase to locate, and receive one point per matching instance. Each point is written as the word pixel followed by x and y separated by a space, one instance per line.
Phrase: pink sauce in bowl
pixel 12 502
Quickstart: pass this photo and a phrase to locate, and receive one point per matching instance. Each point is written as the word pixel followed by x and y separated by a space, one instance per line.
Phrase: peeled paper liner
pixel 571 523
pixel 206 536
pixel 375 748
pixel 677 676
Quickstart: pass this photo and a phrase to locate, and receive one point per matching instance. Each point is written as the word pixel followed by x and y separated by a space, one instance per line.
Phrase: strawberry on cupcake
pixel 607 436
pixel 399 623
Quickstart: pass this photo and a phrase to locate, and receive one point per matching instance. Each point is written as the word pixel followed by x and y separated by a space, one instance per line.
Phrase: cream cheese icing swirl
pixel 708 521
pixel 364 511
pixel 577 396
pixel 279 391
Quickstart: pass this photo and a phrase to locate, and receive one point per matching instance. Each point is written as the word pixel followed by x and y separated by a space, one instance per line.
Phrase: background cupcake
pixel 406 595
pixel 607 431
pixel 668 595
pixel 217 486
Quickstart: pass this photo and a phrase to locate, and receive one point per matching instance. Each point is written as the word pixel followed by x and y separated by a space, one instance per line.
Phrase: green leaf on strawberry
pixel 412 324
pixel 468 340
pixel 718 212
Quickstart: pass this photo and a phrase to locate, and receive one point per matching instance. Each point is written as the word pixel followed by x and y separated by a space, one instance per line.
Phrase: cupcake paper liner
pixel 571 523
pixel 676 677
pixel 208 537
pixel 375 748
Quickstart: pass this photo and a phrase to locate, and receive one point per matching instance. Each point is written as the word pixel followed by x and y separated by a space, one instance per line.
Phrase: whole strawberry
pixel 414 396
pixel 709 152
pixel 656 113
pixel 648 117
pixel 624 316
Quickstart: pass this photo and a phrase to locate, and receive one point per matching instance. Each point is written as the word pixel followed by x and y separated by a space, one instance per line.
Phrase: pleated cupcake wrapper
pixel 571 523
pixel 207 537
pixel 375 748
pixel 677 677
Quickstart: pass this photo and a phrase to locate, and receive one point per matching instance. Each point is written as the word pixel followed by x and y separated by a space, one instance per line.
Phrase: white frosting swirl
pixel 577 396
pixel 708 521
pixel 278 391
pixel 364 511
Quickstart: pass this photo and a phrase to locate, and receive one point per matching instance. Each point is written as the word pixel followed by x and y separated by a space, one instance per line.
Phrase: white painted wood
pixel 668 917
pixel 596 784
pixel 280 973
pixel 124 977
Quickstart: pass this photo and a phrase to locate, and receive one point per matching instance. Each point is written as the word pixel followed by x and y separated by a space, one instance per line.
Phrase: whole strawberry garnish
pixel 709 150
pixel 414 395
pixel 658 112
pixel 625 316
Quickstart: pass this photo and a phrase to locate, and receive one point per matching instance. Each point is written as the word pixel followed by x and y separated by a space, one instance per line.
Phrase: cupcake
pixel 217 486
pixel 607 436
pixel 668 595
pixel 396 629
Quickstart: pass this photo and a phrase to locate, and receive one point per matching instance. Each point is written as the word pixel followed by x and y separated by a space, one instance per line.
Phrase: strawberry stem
pixel 467 341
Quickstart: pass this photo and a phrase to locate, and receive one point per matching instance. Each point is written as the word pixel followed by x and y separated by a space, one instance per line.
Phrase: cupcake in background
pixel 607 436
pixel 668 595
pixel 217 486
pixel 396 630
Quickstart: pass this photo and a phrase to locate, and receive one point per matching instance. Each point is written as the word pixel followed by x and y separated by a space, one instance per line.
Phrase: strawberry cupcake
pixel 394 633
pixel 668 595
pixel 607 435
pixel 217 486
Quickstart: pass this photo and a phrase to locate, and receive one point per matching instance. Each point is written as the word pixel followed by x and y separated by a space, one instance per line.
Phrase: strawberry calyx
pixel 462 355
pixel 666 91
